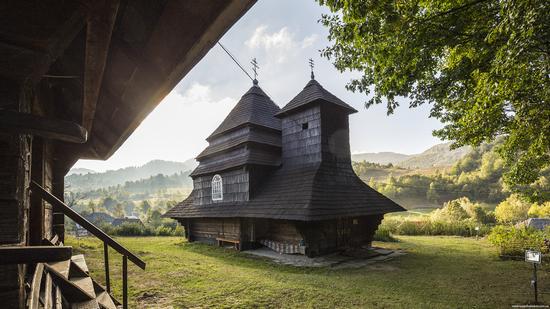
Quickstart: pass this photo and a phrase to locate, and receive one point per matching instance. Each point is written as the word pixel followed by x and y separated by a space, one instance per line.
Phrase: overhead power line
pixel 235 60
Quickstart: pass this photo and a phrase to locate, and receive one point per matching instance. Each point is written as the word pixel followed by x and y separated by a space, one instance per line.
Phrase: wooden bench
pixel 236 243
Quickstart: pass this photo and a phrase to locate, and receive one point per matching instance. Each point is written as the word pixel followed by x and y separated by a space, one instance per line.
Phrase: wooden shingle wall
pixel 335 137
pixel 235 187
pixel 302 145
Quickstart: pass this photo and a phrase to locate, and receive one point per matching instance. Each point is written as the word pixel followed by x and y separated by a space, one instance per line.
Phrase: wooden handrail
pixel 34 254
pixel 77 218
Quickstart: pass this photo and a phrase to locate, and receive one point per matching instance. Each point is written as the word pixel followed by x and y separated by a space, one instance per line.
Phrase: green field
pixel 437 272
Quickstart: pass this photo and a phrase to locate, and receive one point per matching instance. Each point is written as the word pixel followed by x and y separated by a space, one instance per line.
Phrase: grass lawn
pixel 437 272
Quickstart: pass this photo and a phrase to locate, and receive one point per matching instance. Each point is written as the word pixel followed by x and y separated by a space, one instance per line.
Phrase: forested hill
pixel 437 156
pixel 92 181
pixel 380 157
pixel 478 175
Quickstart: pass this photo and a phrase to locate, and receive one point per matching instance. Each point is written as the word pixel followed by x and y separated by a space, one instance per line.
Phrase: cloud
pixel 309 40
pixel 278 44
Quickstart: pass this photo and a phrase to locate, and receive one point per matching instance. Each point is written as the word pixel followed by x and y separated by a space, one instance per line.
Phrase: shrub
pixel 512 210
pixel 539 211
pixel 512 241
pixel 164 231
pixel 130 229
pixel 383 234
pixel 430 226
pixel 178 231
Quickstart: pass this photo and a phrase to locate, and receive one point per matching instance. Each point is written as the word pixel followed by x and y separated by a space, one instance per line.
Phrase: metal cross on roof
pixel 311 65
pixel 255 68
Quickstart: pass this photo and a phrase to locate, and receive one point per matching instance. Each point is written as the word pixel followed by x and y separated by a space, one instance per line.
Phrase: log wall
pixel 15 168
pixel 208 229
pixel 322 237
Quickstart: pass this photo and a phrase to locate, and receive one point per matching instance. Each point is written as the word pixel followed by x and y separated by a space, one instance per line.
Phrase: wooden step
pixel 99 289
pixel 75 289
pixel 61 268
pixel 85 283
pixel 76 271
pixel 81 262
pixel 90 304
pixel 105 301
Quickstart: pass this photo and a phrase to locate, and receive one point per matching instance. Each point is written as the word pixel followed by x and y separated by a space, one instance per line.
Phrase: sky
pixel 282 35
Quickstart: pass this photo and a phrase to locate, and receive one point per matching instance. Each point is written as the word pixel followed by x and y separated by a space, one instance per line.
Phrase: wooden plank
pixel 34 254
pixel 34 295
pixel 77 218
pixel 48 128
pixel 58 304
pixel 98 38
pixel 48 292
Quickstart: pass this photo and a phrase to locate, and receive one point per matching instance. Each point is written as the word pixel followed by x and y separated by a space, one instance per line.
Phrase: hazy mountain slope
pixel 79 182
pixel 80 171
pixel 380 157
pixel 437 156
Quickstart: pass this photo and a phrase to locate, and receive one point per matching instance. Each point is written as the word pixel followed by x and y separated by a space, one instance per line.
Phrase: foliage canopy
pixel 482 64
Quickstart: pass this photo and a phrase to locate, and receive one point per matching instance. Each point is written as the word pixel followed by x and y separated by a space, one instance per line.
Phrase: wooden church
pixel 282 178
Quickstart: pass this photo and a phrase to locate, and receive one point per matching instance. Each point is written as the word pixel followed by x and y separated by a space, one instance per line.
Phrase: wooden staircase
pixel 67 284
pixel 61 280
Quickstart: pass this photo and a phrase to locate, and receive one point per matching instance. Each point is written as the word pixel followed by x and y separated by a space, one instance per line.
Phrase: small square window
pixel 305 126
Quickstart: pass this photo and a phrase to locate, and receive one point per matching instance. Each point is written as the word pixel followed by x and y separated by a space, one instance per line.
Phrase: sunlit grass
pixel 437 272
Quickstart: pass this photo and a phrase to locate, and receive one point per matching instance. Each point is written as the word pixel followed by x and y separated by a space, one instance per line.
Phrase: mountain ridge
pixel 439 155
pixel 92 181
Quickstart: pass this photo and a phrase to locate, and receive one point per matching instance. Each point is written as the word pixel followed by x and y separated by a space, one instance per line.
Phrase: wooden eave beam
pixel 34 254
pixel 101 21
pixel 219 25
pixel 48 128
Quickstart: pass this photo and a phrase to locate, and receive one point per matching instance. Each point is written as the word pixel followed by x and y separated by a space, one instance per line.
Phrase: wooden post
pixel 106 260
pixel 124 282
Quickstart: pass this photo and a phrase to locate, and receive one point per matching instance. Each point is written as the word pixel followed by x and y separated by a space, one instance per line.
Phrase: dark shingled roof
pixel 245 158
pixel 308 193
pixel 254 107
pixel 254 136
pixel 313 92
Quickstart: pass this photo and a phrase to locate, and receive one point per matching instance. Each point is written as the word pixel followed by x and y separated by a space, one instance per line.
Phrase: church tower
pixel 244 147
pixel 315 128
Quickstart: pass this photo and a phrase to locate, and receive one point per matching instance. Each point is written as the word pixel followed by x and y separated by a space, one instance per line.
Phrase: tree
pixel 118 211
pixel 453 210
pixel 92 207
pixel 512 210
pixel 540 211
pixel 144 207
pixel 483 65
pixel 109 203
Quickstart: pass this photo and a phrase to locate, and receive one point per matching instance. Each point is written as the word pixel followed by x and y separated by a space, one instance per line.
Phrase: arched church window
pixel 217 188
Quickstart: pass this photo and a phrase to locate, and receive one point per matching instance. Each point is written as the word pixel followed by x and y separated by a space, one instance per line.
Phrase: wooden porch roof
pixel 105 64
